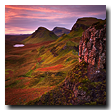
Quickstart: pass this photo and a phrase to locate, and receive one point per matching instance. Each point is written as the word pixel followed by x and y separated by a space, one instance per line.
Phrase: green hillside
pixel 88 20
pixel 82 24
pixel 89 93
pixel 42 72
pixel 40 35
pixel 35 70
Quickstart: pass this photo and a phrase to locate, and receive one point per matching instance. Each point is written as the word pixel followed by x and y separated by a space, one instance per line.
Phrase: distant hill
pixel 40 35
pixel 9 45
pixel 17 38
pixel 60 30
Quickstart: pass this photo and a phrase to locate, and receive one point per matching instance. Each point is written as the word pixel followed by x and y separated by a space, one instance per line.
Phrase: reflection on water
pixel 18 45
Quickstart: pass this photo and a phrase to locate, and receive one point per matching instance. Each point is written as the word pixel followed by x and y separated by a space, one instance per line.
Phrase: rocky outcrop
pixel 85 90
pixel 80 87
pixel 85 23
pixel 92 47
pixel 77 26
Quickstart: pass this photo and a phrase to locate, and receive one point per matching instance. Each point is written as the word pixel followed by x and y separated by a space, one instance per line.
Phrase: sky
pixel 25 19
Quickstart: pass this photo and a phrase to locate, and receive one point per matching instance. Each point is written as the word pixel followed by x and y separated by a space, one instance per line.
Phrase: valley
pixel 35 67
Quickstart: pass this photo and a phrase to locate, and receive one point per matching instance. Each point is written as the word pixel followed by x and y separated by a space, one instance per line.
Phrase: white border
pixel 42 2
pixel 57 2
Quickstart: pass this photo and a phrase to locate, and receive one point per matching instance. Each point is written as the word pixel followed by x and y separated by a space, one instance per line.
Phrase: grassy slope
pixel 36 67
pixel 35 70
pixel 62 95
pixel 93 93
pixel 40 35
pixel 59 31
pixel 86 22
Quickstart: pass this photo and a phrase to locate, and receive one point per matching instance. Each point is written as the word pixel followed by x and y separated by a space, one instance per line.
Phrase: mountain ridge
pixel 40 35
pixel 82 24
pixel 60 30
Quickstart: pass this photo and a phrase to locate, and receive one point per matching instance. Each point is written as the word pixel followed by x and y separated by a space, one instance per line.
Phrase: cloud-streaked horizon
pixel 25 19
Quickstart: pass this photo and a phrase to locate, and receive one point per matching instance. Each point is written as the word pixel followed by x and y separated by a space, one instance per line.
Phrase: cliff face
pixel 85 23
pixel 77 26
pixel 88 79
pixel 85 84
pixel 92 47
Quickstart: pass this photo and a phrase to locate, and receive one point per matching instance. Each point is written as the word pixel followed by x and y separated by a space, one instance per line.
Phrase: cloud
pixel 29 17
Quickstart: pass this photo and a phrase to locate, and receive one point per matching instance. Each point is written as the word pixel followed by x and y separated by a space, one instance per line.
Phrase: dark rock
pixel 77 26
pixel 92 47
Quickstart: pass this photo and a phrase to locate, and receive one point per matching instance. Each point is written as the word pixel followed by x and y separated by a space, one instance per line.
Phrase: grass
pixel 88 21
pixel 99 25
pixel 47 79
pixel 63 93
pixel 77 33
pixel 71 43
pixel 68 59
pixel 40 35
pixel 18 96
pixel 36 73
pixel 28 74
pixel 40 58
pixel 13 84
pixel 6 72
pixel 91 103
pixel 32 59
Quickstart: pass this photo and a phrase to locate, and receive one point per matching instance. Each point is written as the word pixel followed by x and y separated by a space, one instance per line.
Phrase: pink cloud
pixel 18 30
pixel 25 18
pixel 34 8
pixel 41 13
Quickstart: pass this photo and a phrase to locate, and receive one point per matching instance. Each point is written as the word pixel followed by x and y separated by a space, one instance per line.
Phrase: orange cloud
pixel 26 18
pixel 18 30
pixel 36 8
pixel 42 13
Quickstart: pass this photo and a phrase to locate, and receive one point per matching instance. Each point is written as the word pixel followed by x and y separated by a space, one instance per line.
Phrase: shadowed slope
pixel 59 31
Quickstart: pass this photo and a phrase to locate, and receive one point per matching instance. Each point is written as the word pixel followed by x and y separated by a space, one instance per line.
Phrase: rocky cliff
pixel 78 25
pixel 88 79
pixel 85 84
pixel 84 23
pixel 92 47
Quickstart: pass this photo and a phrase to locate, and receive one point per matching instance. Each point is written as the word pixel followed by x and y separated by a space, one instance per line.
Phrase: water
pixel 18 45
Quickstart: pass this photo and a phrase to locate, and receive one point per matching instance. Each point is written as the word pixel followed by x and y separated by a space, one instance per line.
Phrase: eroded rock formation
pixel 92 47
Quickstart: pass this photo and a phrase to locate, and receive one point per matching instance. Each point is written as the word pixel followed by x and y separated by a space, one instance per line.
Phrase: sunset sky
pixel 25 19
